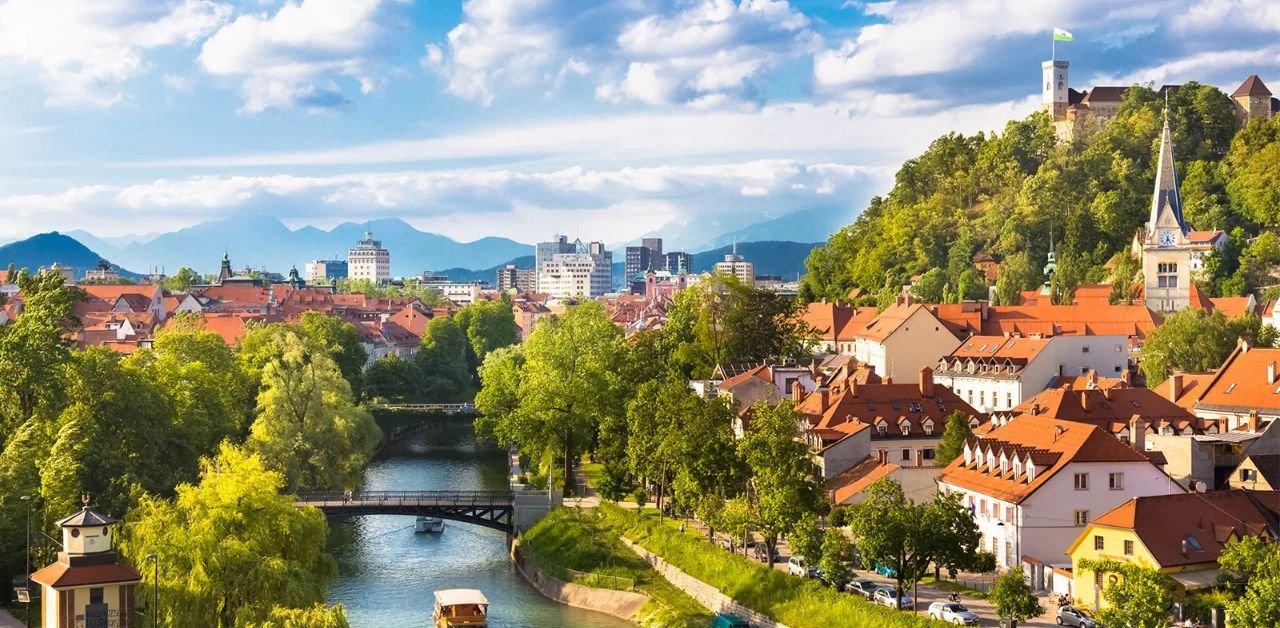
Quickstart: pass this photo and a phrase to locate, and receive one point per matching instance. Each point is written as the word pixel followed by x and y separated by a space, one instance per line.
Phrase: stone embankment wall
pixel 704 593
pixel 620 604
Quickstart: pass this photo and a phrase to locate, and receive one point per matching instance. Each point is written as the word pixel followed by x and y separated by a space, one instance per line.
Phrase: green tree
pixel 318 616
pixel 234 550
pixel 1138 596
pixel 308 426
pixel 930 286
pixel 837 558
pixel 806 539
pixel 784 481
pixel 488 325
pixel 442 360
pixel 1124 288
pixel 20 462
pixel 181 281
pixel 728 322
pixel 1256 562
pixel 1197 341
pixel 341 340
pixel 954 435
pixel 35 347
pixel 394 379
pixel 1016 274
pixel 891 530
pixel 1012 597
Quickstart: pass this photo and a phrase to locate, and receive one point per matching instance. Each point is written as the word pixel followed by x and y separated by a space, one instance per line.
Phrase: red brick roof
pixel 1207 520
pixel 60 575
pixel 1110 408
pixel 857 478
pixel 1242 381
pixel 875 403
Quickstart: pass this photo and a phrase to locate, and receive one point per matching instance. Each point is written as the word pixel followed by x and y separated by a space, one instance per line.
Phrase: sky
pixel 522 118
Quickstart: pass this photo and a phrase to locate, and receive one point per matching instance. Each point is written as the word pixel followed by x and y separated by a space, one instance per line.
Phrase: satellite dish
pixel 1199 486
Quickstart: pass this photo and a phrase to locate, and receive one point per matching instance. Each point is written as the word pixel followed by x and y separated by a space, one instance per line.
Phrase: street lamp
pixel 155 590
pixel 26 573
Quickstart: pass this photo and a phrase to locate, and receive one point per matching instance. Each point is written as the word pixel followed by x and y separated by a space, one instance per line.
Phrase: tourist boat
pixel 428 525
pixel 461 607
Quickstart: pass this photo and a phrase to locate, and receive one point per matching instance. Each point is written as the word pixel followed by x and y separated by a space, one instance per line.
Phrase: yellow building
pixel 1257 472
pixel 87 586
pixel 1180 535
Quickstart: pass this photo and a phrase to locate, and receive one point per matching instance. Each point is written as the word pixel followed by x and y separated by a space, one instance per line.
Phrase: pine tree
pixel 954 435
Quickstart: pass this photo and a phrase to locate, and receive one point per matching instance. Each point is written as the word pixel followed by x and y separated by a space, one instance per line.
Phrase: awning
pixel 1193 580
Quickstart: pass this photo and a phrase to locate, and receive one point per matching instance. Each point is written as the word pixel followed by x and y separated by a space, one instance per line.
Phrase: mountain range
pixel 46 248
pixel 265 242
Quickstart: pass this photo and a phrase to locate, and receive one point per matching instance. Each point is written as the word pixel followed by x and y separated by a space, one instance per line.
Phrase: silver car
pixel 865 588
pixel 887 597
pixel 954 613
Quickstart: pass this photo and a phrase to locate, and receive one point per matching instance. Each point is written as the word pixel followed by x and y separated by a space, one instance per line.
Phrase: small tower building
pixel 1055 95
pixel 1253 99
pixel 88 586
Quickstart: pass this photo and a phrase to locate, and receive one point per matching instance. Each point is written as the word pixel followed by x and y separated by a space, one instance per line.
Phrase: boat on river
pixel 428 525
pixel 461 607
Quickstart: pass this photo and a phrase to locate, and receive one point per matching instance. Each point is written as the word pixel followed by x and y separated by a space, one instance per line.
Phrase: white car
pixel 796 567
pixel 954 613
pixel 887 597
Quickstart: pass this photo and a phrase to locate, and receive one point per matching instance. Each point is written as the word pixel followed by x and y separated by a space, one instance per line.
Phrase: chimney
pixel 1106 393
pixel 982 309
pixel 1243 345
pixel 926 382
pixel 897 300
pixel 1175 386
pixel 1126 376
pixel 1091 379
pixel 1138 433
pixel 1253 421
pixel 853 387
pixel 1084 400
pixel 1271 373
pixel 797 392
pixel 1057 432
pixel 824 396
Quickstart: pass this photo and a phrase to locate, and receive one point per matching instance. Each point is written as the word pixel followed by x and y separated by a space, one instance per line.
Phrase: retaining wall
pixel 705 594
pixel 620 604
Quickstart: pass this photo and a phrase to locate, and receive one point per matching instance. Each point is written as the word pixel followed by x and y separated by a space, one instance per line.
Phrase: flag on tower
pixel 1061 35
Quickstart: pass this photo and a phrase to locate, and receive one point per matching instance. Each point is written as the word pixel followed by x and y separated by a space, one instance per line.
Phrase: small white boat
pixel 461 607
pixel 428 525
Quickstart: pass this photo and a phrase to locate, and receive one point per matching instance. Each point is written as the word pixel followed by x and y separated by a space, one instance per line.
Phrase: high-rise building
pixel 739 267
pixel 677 262
pixel 641 258
pixel 368 260
pixel 543 252
pixel 325 270
pixel 587 271
pixel 654 245
pixel 519 279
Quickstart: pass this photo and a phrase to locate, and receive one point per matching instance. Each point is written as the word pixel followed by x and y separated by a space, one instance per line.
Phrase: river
pixel 386 573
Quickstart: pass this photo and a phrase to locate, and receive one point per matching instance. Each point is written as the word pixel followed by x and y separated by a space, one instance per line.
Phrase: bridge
pixel 446 408
pixel 491 509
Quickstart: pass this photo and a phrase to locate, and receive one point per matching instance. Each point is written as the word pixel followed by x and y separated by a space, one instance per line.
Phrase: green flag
pixel 1061 35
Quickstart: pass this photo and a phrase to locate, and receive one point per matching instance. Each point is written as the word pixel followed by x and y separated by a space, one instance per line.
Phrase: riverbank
pixel 586 541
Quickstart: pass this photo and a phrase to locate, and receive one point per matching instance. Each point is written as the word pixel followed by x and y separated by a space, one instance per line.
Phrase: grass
pixel 796 602
pixel 592 471
pixel 949 585
pixel 586 541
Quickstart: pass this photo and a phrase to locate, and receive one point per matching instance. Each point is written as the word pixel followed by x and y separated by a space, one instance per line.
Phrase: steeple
pixel 1166 187
pixel 224 273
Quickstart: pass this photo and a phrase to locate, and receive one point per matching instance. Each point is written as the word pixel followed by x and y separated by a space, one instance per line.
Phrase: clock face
pixel 1168 238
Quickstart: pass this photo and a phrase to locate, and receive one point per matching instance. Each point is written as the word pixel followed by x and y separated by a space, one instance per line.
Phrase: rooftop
pixel 1190 528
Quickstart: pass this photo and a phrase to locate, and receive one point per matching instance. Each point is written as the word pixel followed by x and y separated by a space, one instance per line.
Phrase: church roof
pixel 1166 186
pixel 1251 86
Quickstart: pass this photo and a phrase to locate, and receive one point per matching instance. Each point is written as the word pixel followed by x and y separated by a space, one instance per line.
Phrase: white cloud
pixel 180 84
pixel 85 49
pixel 473 202
pixel 1254 15
pixel 1224 68
pixel 295 57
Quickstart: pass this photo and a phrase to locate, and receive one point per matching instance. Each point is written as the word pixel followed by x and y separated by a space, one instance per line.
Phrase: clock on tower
pixel 1168 237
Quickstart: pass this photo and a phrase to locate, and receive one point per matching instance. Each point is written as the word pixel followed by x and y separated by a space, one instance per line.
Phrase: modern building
pixel 677 261
pixel 544 251
pixel 463 293
pixel 325 270
pixel 519 279
pixel 368 260
pixel 87 586
pixel 102 272
pixel 738 266
pixel 647 256
pixel 586 272
pixel 995 373
pixel 1034 484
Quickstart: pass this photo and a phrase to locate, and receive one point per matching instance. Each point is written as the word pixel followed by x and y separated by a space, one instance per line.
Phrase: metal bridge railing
pixel 408 498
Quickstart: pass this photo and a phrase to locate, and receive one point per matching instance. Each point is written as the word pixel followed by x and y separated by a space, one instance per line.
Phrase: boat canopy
pixel 454 597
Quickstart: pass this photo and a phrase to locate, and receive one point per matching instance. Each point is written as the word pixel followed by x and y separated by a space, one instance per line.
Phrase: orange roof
pixel 1203 237
pixel 759 372
pixel 857 478
pixel 60 574
pixel 1204 521
pixel 111 293
pixel 1110 408
pixel 230 326
pixel 1193 385
pixel 889 321
pixel 1086 382
pixel 875 403
pixel 413 319
pixel 1232 307
pixel 1050 444
pixel 1243 381
pixel 1001 347
pixel 827 319
pixel 1134 321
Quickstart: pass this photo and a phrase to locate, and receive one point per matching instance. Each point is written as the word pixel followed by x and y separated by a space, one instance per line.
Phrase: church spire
pixel 1166 188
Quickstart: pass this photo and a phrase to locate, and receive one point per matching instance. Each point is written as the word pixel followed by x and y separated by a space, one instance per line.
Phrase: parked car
pixel 885 570
pixel 796 566
pixel 865 588
pixel 952 612
pixel 889 598
pixel 728 620
pixel 1073 616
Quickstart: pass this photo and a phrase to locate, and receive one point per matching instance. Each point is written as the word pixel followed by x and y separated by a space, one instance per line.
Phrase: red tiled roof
pixel 759 372
pixel 1210 519
pixel 1002 347
pixel 892 404
pixel 113 292
pixel 1232 307
pixel 1110 408
pixel 60 575
pixel 1242 381
pixel 1251 86
pixel 857 478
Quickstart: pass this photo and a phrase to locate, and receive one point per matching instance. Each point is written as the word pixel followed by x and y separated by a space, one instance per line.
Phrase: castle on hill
pixel 1077 113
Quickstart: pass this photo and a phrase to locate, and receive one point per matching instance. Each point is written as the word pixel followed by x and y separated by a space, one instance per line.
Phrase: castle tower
pixel 1253 99
pixel 1054 94
pixel 87 586
pixel 1164 244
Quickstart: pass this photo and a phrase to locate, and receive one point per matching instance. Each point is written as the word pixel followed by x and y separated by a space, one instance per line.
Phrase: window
pixel 883 429
pixel 1193 542
pixel 1082 481
pixel 906 454
pixel 1008 399
pixel 1128 548
pixel 928 429
pixel 982 508
pixel 1008 514
pixel 913 406
pixel 1115 481
pixel 1081 517
pixel 1249 475
pixel 1084 349
pixel 1008 553
pixel 95 595
pixel 927 454
pixel 906 429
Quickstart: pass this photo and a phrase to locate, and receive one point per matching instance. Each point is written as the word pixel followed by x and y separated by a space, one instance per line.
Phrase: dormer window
pixel 968 454
pixel 882 428
pixel 928 427
pixel 1017 467
pixel 906 428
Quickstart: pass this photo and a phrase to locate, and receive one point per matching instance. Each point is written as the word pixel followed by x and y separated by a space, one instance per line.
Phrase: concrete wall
pixel 705 594
pixel 620 604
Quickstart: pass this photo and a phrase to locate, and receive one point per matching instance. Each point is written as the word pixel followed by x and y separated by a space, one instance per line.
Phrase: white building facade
pixel 587 275
pixel 904 338
pixel 368 260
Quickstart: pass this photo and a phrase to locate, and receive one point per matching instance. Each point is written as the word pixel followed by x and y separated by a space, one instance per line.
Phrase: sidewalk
pixel 9 621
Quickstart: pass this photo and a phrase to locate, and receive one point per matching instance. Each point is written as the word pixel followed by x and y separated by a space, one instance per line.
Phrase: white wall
pixel 921 341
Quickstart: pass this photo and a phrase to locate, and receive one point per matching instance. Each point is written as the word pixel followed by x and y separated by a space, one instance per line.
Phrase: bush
pixel 640 497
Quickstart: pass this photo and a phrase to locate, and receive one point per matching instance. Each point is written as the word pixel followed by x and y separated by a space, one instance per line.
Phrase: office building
pixel 587 272
pixel 677 262
pixel 739 267
pixel 325 270
pixel 519 279
pixel 368 260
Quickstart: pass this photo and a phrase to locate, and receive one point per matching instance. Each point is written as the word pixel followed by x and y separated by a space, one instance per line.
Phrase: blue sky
pixel 520 118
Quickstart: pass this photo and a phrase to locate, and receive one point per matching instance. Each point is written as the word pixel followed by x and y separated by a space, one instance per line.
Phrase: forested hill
pixel 1007 193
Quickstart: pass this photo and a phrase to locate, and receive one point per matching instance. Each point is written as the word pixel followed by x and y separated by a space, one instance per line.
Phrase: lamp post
pixel 26 573
pixel 155 590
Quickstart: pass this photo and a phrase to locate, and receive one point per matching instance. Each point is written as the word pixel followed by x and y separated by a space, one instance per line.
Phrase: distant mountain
pixel 47 248
pixel 110 243
pixel 262 241
pixel 804 225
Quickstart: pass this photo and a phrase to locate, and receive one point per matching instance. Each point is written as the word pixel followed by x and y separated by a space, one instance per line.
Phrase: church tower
pixel 1163 242
pixel 87 586
pixel 1054 93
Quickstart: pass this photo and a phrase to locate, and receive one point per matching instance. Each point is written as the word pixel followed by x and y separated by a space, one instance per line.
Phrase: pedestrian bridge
pixel 446 408
pixel 492 509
